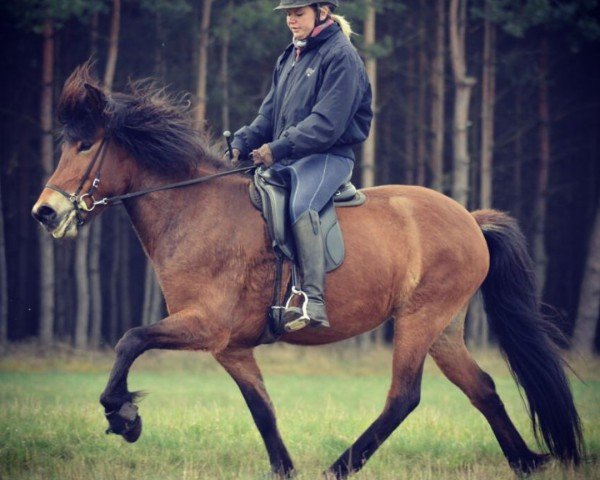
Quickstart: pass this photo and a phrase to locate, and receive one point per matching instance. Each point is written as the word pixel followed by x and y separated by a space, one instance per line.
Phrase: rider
pixel 318 108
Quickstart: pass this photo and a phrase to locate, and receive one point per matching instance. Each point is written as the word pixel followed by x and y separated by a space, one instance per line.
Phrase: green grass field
pixel 197 426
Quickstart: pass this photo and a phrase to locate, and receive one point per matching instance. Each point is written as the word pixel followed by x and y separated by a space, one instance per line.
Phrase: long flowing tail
pixel 526 337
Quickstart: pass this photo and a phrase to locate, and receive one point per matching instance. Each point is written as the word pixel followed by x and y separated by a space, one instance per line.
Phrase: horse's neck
pixel 196 216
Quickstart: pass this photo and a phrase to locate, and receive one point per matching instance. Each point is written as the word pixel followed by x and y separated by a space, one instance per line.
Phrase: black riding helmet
pixel 284 4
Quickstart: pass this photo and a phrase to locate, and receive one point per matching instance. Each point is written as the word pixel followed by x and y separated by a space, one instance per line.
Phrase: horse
pixel 412 255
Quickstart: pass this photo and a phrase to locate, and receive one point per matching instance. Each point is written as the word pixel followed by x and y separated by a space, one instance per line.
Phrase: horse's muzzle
pixel 57 215
pixel 46 215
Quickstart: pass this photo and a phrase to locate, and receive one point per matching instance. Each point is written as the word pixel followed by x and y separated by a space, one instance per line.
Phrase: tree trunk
pixel 368 147
pixel 152 297
pixel 463 86
pixel 518 156
pixel 588 311
pixel 421 172
pixel 200 113
pixel 95 285
pixel 97 227
pixel 47 283
pixel 82 284
pixel 3 280
pixel 116 242
pixel 156 307
pixel 113 46
pixel 488 95
pixel 478 332
pixel 83 249
pixel 539 247
pixel 125 274
pixel 224 74
pixel 409 126
pixel 437 101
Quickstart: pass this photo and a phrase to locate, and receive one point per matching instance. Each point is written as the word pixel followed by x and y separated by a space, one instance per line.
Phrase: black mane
pixel 154 127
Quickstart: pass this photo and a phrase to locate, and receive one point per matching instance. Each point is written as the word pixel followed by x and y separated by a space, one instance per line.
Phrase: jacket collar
pixel 322 36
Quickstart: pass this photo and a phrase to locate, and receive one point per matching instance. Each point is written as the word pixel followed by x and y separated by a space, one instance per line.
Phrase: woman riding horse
pixel 215 266
pixel 318 108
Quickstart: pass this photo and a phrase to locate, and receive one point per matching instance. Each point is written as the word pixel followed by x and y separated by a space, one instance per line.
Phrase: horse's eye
pixel 85 146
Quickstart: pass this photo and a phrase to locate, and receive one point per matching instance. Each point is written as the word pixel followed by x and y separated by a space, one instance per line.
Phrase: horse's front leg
pixel 242 367
pixel 181 331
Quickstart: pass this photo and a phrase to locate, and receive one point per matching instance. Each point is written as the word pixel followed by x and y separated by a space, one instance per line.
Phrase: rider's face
pixel 301 21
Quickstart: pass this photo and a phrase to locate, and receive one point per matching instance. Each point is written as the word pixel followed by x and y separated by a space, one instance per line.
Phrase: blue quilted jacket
pixel 319 103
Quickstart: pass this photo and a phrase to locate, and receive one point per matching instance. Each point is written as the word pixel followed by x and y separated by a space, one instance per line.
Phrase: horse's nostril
pixel 45 214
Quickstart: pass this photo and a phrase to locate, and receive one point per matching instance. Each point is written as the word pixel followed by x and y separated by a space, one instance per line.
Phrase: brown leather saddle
pixel 269 194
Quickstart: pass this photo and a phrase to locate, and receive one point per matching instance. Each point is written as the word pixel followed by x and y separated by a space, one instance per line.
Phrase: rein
pixel 79 201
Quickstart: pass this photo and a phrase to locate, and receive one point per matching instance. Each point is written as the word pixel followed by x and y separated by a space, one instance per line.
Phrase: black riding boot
pixel 311 260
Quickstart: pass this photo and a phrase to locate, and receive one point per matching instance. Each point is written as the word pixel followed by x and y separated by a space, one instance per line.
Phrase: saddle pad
pixel 273 194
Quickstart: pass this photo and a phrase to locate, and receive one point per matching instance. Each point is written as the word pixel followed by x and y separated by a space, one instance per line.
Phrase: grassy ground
pixel 196 425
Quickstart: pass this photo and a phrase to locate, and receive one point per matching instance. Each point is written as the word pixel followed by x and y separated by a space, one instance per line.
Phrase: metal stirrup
pixel 304 319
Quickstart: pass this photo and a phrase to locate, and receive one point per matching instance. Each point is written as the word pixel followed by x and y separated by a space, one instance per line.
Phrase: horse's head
pixel 91 165
pixel 111 144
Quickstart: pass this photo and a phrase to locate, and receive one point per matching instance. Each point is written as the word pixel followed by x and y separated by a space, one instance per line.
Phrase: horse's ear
pixel 96 97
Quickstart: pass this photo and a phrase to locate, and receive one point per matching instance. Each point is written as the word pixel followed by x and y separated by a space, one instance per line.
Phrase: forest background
pixel 494 102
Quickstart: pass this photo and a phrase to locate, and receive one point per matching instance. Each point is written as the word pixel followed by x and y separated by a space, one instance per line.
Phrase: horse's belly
pixel 405 241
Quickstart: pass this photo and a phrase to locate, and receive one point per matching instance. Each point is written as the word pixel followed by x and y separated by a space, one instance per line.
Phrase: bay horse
pixel 412 254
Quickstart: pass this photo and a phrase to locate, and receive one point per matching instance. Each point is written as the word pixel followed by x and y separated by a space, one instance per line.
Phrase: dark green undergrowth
pixel 197 426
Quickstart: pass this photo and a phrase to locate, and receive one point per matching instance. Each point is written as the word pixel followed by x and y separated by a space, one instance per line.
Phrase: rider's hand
pixel 263 156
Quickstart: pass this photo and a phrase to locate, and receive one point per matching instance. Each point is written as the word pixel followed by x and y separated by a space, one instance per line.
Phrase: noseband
pixel 79 201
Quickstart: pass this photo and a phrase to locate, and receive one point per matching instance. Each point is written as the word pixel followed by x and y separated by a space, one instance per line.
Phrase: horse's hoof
pixel 125 422
pixel 531 464
pixel 134 431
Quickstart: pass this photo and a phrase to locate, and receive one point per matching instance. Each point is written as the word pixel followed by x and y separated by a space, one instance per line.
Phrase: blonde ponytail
pixel 344 24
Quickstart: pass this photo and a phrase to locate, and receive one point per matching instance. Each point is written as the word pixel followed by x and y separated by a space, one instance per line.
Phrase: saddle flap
pixel 273 194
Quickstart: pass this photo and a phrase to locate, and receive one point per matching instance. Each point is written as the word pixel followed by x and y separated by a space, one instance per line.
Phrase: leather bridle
pixel 80 201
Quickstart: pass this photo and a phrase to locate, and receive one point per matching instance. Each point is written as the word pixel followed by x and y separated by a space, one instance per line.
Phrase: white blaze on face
pixel 65 223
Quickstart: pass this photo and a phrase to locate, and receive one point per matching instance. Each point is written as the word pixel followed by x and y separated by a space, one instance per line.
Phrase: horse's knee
pixel 133 341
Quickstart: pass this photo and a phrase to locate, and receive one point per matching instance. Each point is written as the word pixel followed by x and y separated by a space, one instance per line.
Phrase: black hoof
pixel 125 422
pixel 134 431
pixel 531 464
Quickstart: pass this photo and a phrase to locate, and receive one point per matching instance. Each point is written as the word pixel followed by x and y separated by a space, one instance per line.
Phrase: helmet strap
pixel 317 8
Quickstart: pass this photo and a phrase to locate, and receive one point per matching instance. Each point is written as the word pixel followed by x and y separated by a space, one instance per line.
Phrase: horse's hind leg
pixel 411 343
pixel 453 358
pixel 242 367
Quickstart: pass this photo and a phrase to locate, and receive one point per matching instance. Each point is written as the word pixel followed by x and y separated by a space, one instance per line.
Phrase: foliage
pixel 30 14
pixel 175 8
pixel 579 17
